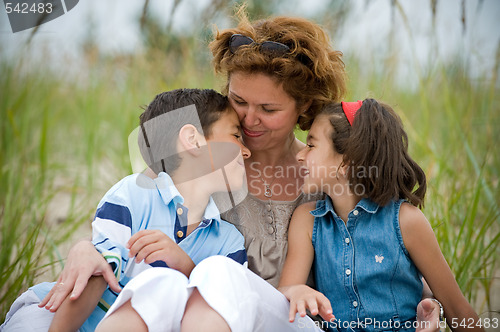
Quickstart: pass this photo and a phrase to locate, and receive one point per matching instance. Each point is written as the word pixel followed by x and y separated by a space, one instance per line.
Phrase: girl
pixel 367 242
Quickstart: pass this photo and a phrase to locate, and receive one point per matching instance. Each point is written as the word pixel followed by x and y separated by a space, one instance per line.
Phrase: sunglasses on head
pixel 271 47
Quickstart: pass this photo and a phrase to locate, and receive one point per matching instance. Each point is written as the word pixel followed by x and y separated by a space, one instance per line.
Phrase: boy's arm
pixel 151 245
pixel 421 243
pixel 73 313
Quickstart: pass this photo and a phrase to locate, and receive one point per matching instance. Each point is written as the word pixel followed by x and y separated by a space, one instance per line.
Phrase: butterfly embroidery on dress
pixel 379 259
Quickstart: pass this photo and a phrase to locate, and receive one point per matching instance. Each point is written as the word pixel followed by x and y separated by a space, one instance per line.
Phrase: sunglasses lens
pixel 270 47
pixel 275 48
pixel 238 40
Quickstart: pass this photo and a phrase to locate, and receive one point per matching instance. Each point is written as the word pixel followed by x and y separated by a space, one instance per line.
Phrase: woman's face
pixel 266 112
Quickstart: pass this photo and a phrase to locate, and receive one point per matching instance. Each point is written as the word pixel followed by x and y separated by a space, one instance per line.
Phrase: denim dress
pixel 364 269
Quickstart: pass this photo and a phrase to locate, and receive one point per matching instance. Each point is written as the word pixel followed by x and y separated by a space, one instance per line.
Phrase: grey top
pixel 264 224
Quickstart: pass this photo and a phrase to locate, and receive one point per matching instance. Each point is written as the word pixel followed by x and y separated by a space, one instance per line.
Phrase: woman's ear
pixel 190 139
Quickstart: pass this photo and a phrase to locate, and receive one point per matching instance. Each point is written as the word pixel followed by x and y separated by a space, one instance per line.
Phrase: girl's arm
pixel 73 313
pixel 421 243
pixel 297 267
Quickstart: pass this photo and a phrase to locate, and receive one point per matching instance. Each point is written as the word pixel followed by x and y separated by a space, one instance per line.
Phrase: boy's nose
pixel 300 155
pixel 245 152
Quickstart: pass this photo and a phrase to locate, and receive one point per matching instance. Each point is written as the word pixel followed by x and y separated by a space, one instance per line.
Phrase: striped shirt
pixel 138 202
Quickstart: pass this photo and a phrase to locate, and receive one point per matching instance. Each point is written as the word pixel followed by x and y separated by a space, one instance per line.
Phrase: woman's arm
pixel 73 313
pixel 83 261
pixel 297 266
pixel 421 243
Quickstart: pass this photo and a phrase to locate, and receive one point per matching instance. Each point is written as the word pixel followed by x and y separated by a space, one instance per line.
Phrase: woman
pixel 280 72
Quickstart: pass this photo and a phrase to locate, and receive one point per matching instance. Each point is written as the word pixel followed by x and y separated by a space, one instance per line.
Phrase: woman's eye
pixel 239 102
pixel 267 110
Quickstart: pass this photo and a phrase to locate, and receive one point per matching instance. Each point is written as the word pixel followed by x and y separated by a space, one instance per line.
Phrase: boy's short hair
pixel 161 138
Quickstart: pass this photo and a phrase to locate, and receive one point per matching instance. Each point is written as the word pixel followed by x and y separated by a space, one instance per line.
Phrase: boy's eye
pixel 309 145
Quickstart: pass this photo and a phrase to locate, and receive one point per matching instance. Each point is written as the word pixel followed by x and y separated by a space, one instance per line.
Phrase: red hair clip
pixel 350 109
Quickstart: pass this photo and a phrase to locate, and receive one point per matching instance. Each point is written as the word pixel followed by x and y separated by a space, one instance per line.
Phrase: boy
pixel 166 217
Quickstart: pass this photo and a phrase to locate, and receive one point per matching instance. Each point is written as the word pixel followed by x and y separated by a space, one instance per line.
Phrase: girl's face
pixel 266 112
pixel 319 161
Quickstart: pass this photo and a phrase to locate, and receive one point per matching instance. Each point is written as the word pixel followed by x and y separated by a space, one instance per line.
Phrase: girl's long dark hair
pixel 375 150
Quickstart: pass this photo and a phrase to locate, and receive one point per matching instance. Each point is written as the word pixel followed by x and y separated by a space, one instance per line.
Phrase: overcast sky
pixel 368 28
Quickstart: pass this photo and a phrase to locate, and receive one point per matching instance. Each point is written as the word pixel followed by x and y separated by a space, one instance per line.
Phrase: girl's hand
pixel 303 297
pixel 83 261
pixel 153 245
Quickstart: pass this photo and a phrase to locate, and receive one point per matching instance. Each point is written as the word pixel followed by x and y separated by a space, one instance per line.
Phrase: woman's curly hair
pixel 311 71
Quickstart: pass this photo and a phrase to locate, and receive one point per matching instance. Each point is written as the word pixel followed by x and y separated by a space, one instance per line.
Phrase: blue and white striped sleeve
pixel 235 247
pixel 239 256
pixel 111 229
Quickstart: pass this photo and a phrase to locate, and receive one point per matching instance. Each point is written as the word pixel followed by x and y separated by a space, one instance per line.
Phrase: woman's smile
pixel 252 133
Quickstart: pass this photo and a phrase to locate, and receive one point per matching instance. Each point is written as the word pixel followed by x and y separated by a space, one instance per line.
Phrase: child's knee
pixel 214 265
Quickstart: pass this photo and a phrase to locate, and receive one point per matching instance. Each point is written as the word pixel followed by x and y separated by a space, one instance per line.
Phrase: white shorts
pixel 25 315
pixel 247 302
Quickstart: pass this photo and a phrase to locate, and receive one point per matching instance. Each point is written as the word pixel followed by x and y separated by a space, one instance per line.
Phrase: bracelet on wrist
pixel 441 309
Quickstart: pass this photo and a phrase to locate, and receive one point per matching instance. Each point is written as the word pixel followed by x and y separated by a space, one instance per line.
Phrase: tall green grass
pixel 63 140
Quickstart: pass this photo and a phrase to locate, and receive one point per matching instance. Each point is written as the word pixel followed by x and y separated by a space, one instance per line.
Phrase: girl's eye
pixel 309 145
pixel 237 136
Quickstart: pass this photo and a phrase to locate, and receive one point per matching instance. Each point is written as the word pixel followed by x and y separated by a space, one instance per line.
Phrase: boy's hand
pixel 83 261
pixel 303 297
pixel 153 245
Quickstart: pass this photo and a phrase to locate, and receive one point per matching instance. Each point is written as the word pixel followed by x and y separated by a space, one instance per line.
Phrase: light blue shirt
pixel 138 202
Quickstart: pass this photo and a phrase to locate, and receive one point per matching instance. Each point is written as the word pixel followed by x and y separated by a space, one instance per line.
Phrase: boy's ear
pixel 190 138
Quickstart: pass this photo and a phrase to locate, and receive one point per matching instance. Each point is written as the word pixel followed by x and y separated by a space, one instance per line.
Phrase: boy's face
pixel 227 149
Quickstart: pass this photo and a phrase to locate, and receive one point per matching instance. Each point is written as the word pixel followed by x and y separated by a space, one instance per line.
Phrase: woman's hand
pixel 303 297
pixel 153 245
pixel 83 261
pixel 427 316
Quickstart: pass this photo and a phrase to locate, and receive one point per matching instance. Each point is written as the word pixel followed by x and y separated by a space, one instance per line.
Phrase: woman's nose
pixel 251 118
